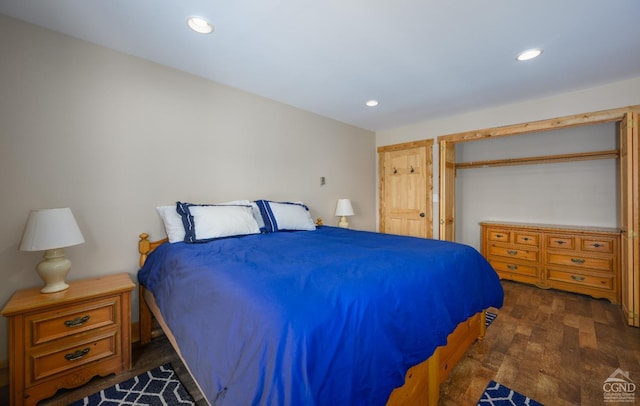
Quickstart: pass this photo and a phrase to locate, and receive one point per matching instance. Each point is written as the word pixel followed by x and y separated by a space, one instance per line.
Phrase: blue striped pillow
pixel 279 216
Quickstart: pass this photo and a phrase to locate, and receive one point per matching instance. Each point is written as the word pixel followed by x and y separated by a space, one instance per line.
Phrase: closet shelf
pixel 582 156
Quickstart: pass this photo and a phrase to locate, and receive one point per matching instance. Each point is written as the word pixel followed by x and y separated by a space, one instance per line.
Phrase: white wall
pixel 613 95
pixel 113 136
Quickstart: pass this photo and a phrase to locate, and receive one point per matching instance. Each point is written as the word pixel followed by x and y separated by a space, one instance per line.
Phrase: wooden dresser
pixel 576 259
pixel 63 339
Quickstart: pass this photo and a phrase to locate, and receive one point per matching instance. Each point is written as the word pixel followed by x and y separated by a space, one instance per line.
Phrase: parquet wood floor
pixel 552 346
pixel 555 347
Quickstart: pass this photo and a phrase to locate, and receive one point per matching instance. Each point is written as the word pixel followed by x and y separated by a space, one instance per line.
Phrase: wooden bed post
pixel 144 247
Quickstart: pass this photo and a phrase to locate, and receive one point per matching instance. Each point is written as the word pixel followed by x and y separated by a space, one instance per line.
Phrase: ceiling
pixel 421 59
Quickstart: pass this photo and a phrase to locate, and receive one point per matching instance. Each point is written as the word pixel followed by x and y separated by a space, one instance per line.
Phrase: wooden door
pixel 406 187
pixel 630 217
pixel 447 190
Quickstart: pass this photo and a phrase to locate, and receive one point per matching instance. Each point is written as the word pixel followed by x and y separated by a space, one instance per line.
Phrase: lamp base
pixel 53 270
pixel 343 222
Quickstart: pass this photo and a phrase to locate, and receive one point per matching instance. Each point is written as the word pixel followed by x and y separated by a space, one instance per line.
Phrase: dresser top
pixel 554 227
pixel 32 299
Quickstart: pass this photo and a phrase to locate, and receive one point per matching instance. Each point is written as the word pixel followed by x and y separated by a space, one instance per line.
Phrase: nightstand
pixel 63 339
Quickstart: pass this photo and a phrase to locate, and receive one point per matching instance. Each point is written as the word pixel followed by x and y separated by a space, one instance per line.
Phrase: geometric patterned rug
pixel 160 386
pixel 499 395
pixel 489 318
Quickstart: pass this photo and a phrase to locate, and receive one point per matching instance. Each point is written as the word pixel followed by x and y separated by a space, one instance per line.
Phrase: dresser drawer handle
pixel 560 242
pixel 77 355
pixel 596 245
pixel 512 252
pixel 78 321
pixel 512 267
pixel 498 235
pixel 577 278
pixel 577 260
pixel 526 238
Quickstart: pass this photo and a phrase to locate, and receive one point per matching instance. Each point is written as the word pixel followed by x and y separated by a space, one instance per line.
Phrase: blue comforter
pixel 326 317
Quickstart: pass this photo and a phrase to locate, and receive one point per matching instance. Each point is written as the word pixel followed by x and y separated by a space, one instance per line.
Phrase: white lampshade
pixel 50 230
pixel 344 209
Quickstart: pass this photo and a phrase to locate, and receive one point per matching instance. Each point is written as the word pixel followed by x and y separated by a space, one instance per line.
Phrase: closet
pixel 626 156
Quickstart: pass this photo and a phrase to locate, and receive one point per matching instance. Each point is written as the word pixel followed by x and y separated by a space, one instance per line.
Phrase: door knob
pixel 422 214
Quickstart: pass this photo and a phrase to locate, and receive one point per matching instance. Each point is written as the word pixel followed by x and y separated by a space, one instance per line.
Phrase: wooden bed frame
pixel 422 381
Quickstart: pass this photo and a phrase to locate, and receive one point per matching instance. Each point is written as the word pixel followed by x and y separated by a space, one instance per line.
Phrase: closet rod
pixel 581 156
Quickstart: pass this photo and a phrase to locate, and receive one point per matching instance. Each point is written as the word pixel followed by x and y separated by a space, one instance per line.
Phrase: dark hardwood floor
pixel 556 347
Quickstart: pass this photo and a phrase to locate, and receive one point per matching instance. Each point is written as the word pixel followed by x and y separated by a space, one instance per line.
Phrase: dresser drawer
pixel 602 264
pixel 498 235
pixel 603 282
pixel 561 242
pixel 500 266
pixel 62 358
pixel 526 238
pixel 53 325
pixel 597 245
pixel 509 252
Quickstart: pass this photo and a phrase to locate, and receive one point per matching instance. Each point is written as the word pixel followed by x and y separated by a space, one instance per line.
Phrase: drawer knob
pixel 526 238
pixel 78 321
pixel 498 235
pixel 577 260
pixel 512 267
pixel 596 245
pixel 577 278
pixel 560 242
pixel 77 355
pixel 512 252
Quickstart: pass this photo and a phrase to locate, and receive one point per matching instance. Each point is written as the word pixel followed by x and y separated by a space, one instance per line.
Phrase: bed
pixel 319 316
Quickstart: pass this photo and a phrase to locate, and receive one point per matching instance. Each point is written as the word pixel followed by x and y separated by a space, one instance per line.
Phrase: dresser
pixel 63 339
pixel 582 260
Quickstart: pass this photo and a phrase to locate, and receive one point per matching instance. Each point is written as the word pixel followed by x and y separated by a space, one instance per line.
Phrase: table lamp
pixel 50 230
pixel 344 209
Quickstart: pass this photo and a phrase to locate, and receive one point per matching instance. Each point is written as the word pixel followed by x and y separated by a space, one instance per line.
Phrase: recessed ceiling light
pixel 200 25
pixel 529 54
pixel 372 103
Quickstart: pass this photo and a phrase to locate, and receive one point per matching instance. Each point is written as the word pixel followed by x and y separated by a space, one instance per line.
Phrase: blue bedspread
pixel 326 317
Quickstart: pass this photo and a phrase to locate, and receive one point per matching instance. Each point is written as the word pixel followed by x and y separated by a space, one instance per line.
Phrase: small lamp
pixel 344 209
pixel 50 230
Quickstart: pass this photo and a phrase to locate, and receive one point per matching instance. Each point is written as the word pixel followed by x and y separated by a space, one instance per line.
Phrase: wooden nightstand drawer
pixel 602 264
pixel 603 282
pixel 55 360
pixel 57 324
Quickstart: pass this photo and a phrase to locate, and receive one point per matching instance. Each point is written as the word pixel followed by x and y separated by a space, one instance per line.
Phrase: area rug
pixel 160 386
pixel 489 318
pixel 499 395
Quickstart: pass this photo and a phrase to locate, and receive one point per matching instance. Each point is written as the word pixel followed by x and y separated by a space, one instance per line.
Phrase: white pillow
pixel 285 216
pixel 206 222
pixel 172 223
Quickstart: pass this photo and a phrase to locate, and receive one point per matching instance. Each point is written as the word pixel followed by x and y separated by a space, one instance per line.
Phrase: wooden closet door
pixel 406 187
pixel 630 217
